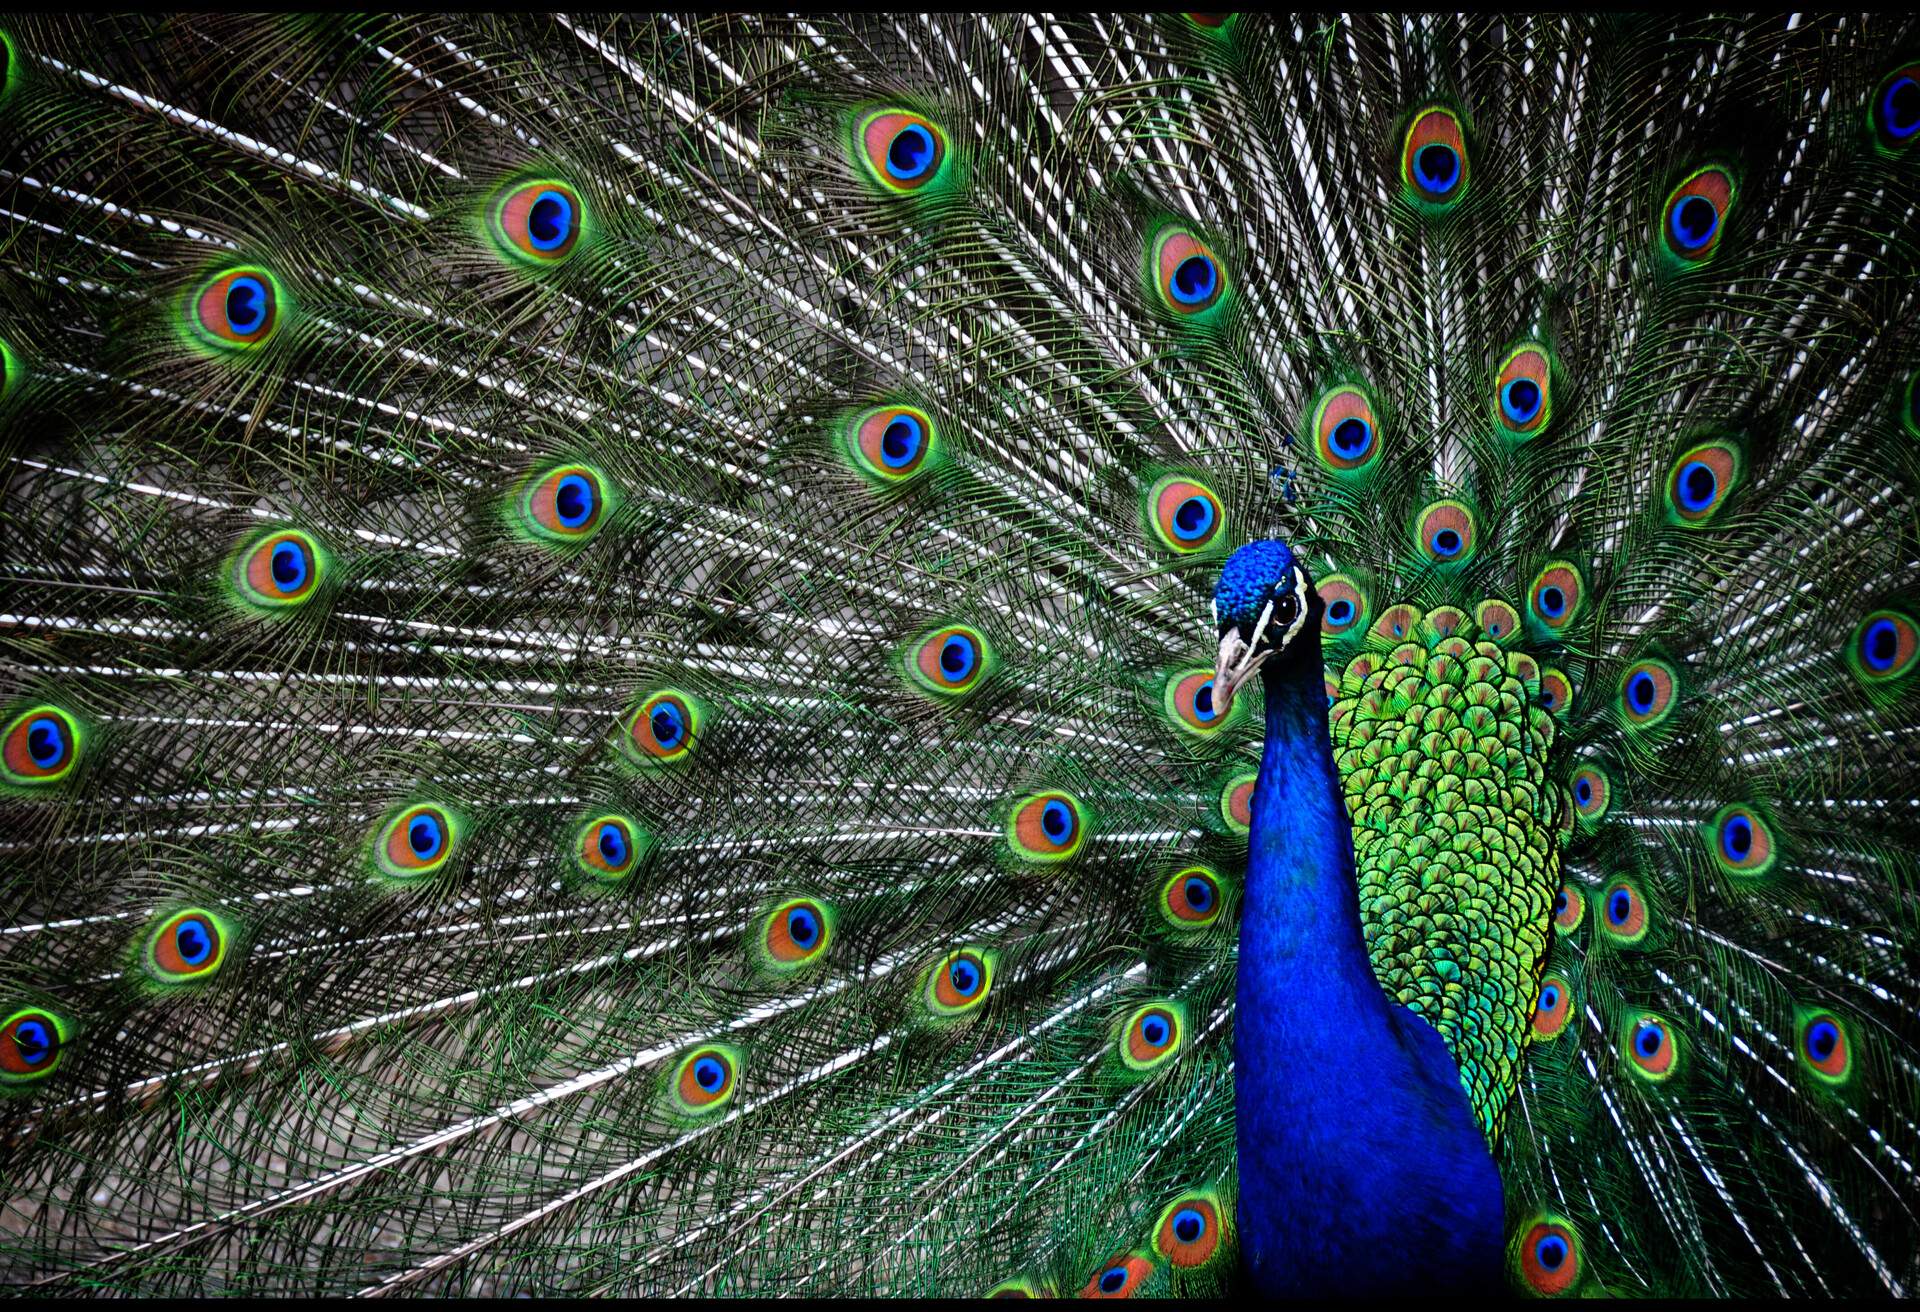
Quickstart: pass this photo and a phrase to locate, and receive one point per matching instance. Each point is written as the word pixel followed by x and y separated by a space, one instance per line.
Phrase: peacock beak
pixel 1238 660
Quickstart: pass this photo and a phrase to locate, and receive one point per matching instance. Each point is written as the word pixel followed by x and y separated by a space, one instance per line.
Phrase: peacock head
pixel 1264 601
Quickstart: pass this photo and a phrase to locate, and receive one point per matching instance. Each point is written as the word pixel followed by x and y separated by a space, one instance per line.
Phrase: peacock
pixel 925 654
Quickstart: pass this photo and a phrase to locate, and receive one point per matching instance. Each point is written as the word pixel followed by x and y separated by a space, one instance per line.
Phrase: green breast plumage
pixel 1442 746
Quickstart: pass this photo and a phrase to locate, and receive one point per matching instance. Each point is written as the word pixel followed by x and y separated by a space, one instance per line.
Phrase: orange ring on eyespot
pixel 961 982
pixel 1338 619
pixel 1192 700
pixel 168 952
pixel 1700 482
pixel 1118 1277
pixel 1188 275
pixel 1569 909
pixel 1549 1258
pixel 1187 516
pixel 1395 623
pixel 1646 692
pixel 567 503
pixel 951 659
pixel 1692 233
pixel 1192 897
pixel 695 1094
pixel 1446 533
pixel 894 441
pixel 1556 690
pixel 1556 595
pixel 1141 1029
pixel 1822 1032
pixel 1433 157
pixel 412 846
pixel 43 744
pixel 1168 1238
pixel 1623 912
pixel 1523 410
pixel 1236 801
pixel 663 728
pixel 1883 647
pixel 1496 619
pixel 31 1041
pixel 1346 430
pixel 1049 825
pixel 903 151
pixel 269 565
pixel 541 220
pixel 802 918
pixel 1592 792
pixel 1649 1044
pixel 240 307
pixel 608 845
pixel 1552 1007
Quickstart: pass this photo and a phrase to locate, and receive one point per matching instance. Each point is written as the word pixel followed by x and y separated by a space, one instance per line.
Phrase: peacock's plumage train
pixel 608 660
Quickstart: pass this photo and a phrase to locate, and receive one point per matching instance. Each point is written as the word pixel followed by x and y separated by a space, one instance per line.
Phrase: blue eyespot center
pixel 1351 437
pixel 549 219
pixel 1437 167
pixel 1340 611
pixel 1698 484
pixel 46 742
pixel 1447 542
pixel 1736 838
pixel 1155 1031
pixel 1194 280
pixel 1192 518
pixel 965 977
pixel 1560 903
pixel 246 306
pixel 1619 906
pixel 1189 1225
pixel 1879 645
pixel 613 845
pixel 573 501
pixel 668 727
pixel 956 657
pixel 1203 702
pixel 1822 1038
pixel 1549 998
pixel 1550 1252
pixel 1199 894
pixel 1056 819
pixel 709 1074
pixel 910 153
pixel 288 566
pixel 803 927
pixel 1112 1279
pixel 1900 108
pixel 1553 602
pixel 1520 400
pixel 1693 222
pixel 193 942
pixel 1640 692
pixel 900 442
pixel 1648 1039
pixel 424 836
pixel 1584 791
pixel 33 1042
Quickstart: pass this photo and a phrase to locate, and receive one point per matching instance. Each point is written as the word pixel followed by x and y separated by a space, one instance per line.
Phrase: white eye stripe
pixel 1300 609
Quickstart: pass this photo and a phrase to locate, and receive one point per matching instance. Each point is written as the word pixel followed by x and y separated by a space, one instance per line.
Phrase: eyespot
pixel 278 571
pixel 1556 596
pixel 1823 1047
pixel 893 443
pixel 1188 700
pixel 1396 623
pixel 1151 1036
pixel 31 1041
pixel 1547 1254
pixel 186 946
pixel 1118 1277
pixel 564 505
pixel 1186 515
pixel 1046 827
pixel 1693 219
pixel 538 222
pixel 1346 430
pixel 1592 792
pixel 43 743
pixel 1345 606
pixel 419 840
pixel 1236 802
pixel 608 847
pixel 703 1083
pixel 1647 693
pixel 1556 690
pixel 1020 1287
pixel 1433 157
pixel 1445 533
pixel 663 729
pixel 1569 909
pixel 950 661
pixel 902 151
pixel 1497 619
pixel 1552 1007
pixel 1740 841
pixel 1699 482
pixel 1895 108
pixel 1191 899
pixel 1650 1046
pixel 236 309
pixel 1623 912
pixel 796 934
pixel 959 982
pixel 1883 647
pixel 1188 276
pixel 1190 1229
pixel 1523 392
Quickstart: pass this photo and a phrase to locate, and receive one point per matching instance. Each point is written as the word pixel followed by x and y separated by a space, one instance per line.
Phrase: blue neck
pixel 1355 1138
